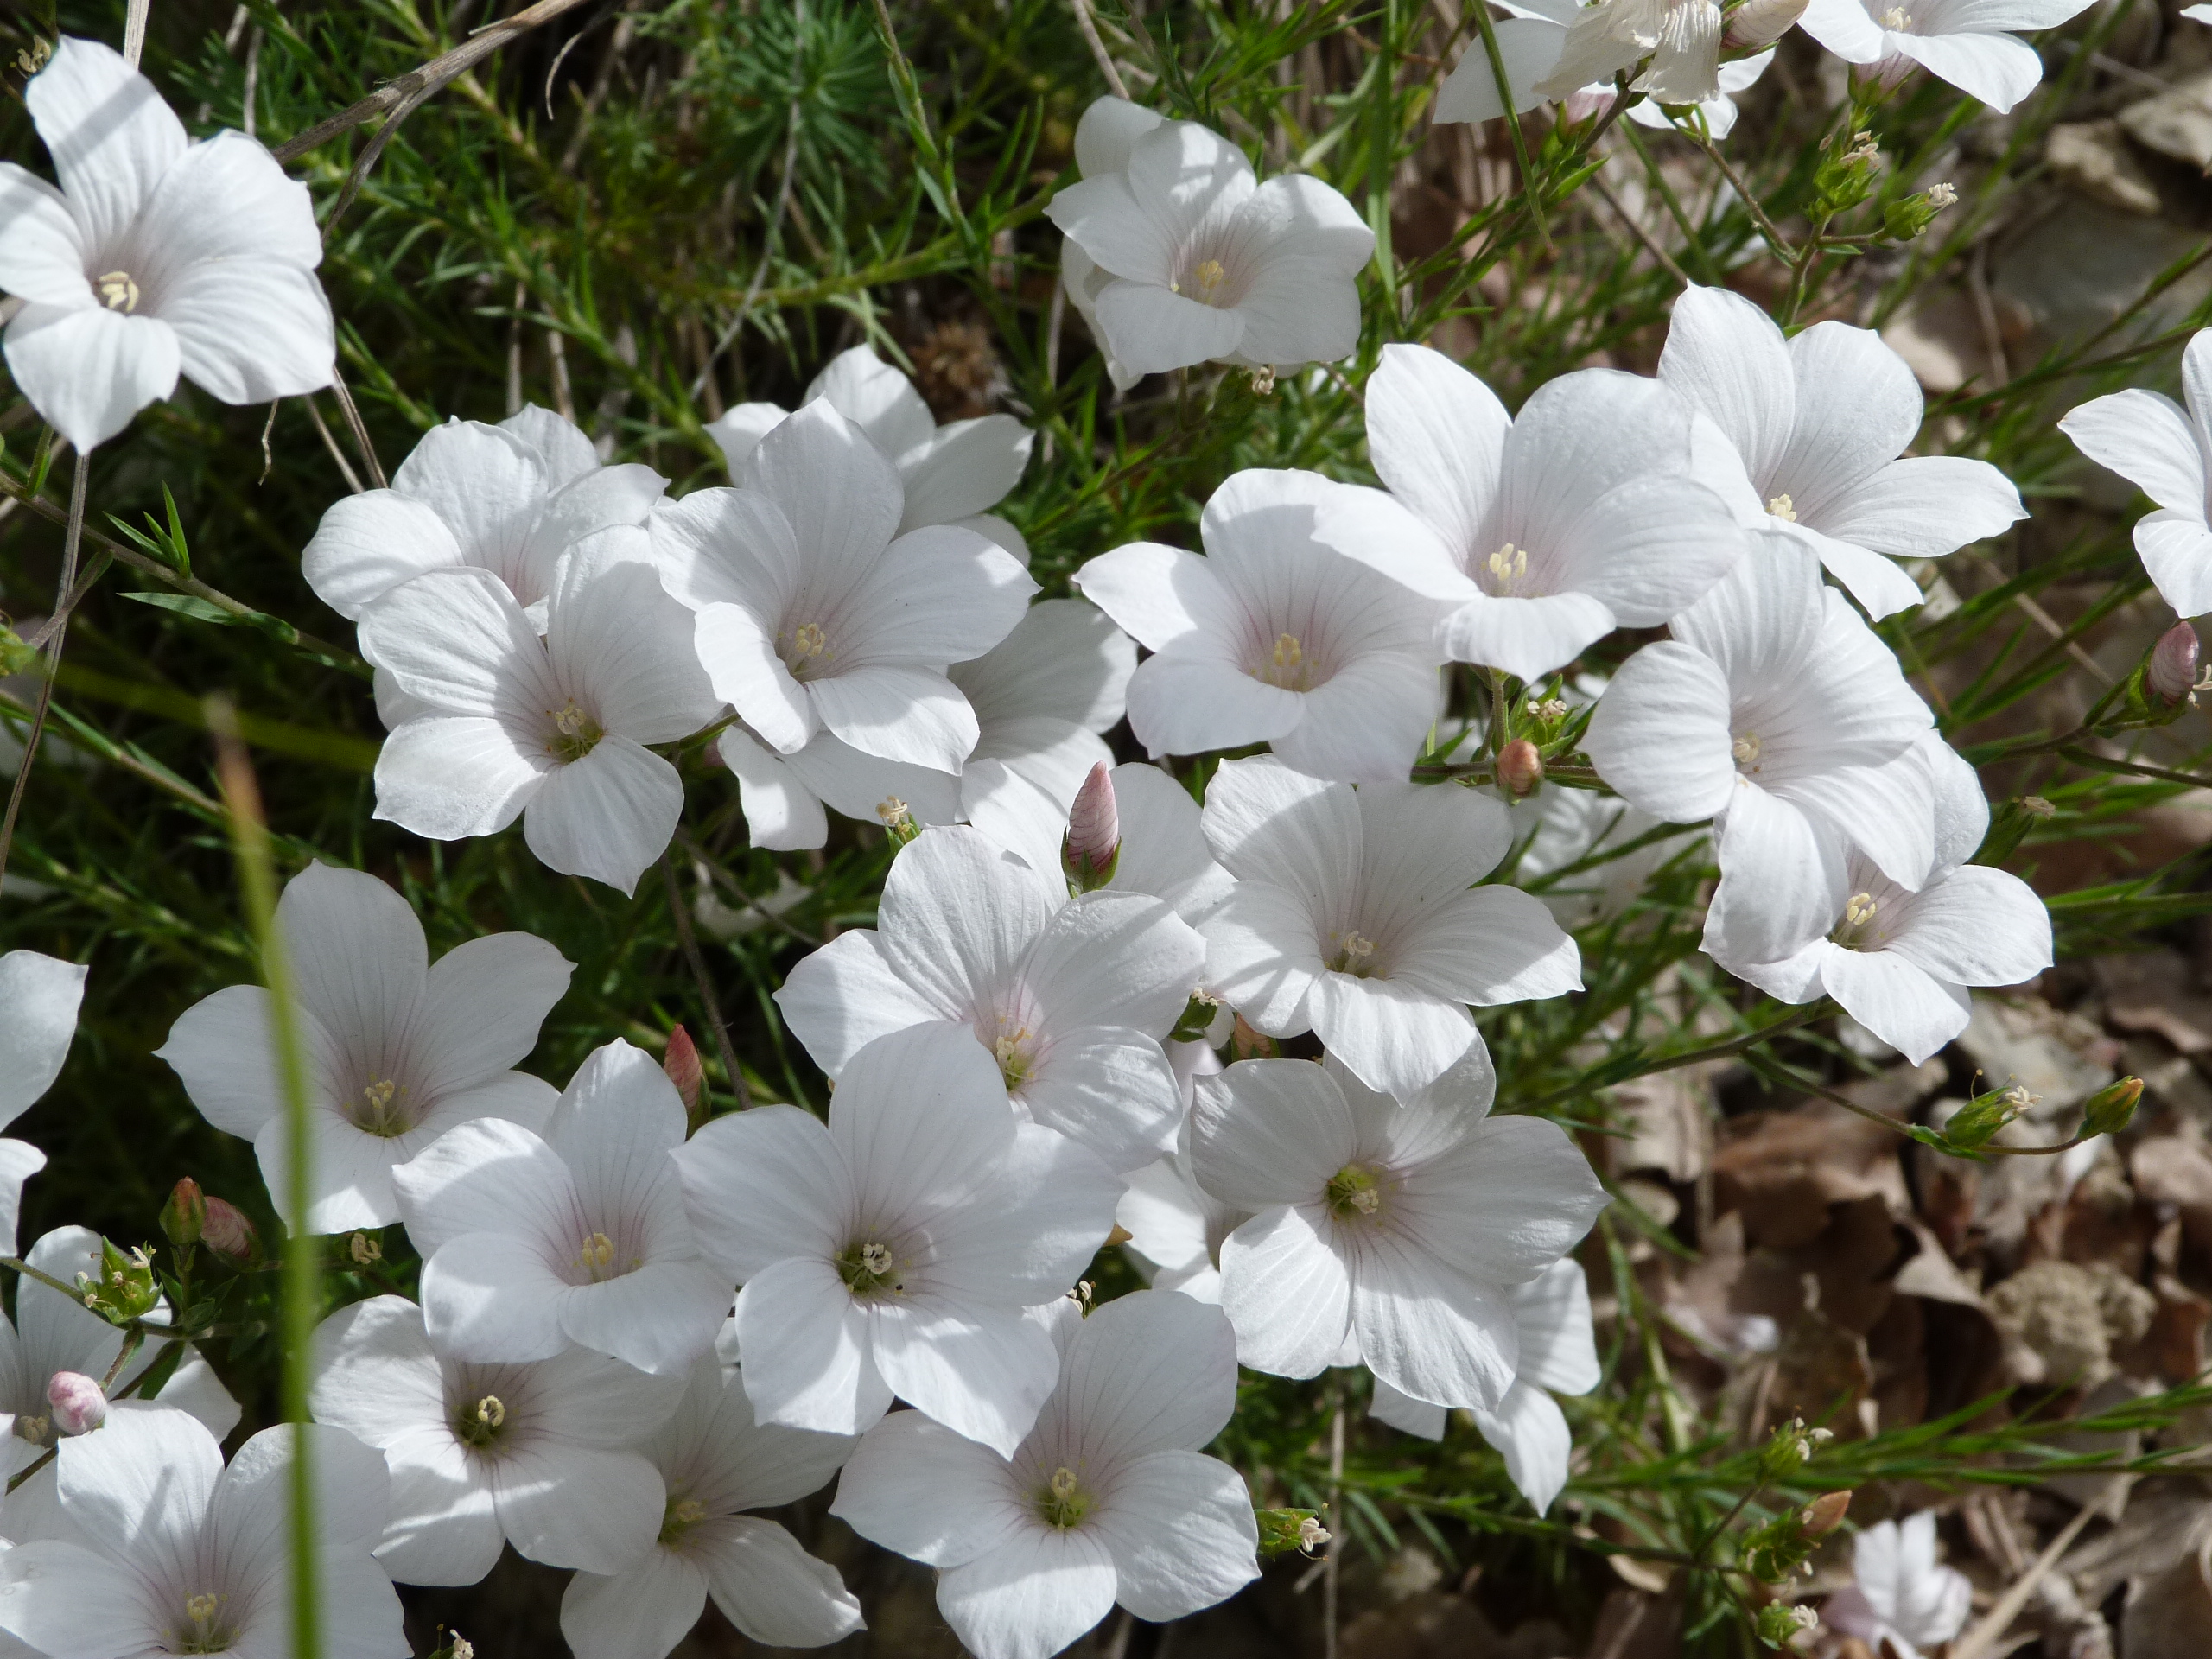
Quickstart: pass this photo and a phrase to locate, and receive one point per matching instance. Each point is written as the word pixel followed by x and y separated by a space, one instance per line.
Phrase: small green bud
pixel 1903 219
pixel 1282 1531
pixel 1198 1018
pixel 2009 825
pixel 1846 178
pixel 1973 1124
pixel 1791 1448
pixel 15 654
pixel 125 1289
pixel 185 1216
pixel 1780 1625
pixel 2112 1107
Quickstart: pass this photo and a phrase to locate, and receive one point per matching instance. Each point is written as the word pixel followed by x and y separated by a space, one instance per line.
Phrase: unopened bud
pixel 1973 1124
pixel 78 1405
pixel 1905 218
pixel 687 1072
pixel 1246 1044
pixel 229 1237
pixel 1846 178
pixel 1761 23
pixel 2009 825
pixel 2171 675
pixel 185 1216
pixel 2112 1107
pixel 1825 1513
pixel 1092 850
pixel 1198 1017
pixel 1520 768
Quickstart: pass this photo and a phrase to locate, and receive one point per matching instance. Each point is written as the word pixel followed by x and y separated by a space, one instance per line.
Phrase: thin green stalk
pixel 63 594
pixel 301 1295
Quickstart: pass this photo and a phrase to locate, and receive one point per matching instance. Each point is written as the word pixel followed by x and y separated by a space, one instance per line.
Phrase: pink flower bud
pixel 230 1237
pixel 1761 23
pixel 684 1069
pixel 78 1405
pixel 1520 768
pixel 2172 671
pixel 1094 841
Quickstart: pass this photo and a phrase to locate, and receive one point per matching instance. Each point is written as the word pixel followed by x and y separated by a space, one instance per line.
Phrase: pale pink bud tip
pixel 78 1405
pixel 1761 23
pixel 1094 824
pixel 1520 768
pixel 2172 673
pixel 683 1068
pixel 230 1235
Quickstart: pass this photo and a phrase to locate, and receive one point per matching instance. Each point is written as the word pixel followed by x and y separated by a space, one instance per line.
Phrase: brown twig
pixel 1088 25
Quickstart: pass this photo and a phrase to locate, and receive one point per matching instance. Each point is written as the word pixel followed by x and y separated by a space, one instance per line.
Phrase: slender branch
pixel 1774 238
pixel 690 944
pixel 361 432
pixel 1480 8
pixel 1088 25
pixel 64 597
pixel 2109 763
pixel 768 240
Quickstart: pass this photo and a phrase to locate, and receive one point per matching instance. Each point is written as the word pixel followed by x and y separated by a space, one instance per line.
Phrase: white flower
pixel 1775 711
pixel 1273 637
pixel 782 795
pixel 893 1251
pixel 1558 1353
pixel 1108 1500
pixel 1176 254
pixel 53 1334
pixel 1818 422
pixel 169 1552
pixel 1681 37
pixel 1176 1228
pixel 1353 916
pixel 1070 999
pixel 39 999
pixel 1900 1598
pixel 815 612
pixel 951 474
pixel 1540 534
pixel 155 257
pixel 1900 962
pixel 543 1457
pixel 2160 447
pixel 530 1242
pixel 717 1462
pixel 552 730
pixel 1718 112
pixel 1962 41
pixel 398 1051
pixel 510 499
pixel 1402 1229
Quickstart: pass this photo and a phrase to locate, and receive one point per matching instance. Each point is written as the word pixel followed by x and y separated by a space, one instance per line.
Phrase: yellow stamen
pixel 116 290
pixel 1783 508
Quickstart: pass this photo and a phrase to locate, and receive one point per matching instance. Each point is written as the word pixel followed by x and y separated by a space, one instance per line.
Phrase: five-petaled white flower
pixel 1900 1598
pixel 1108 1500
pixel 1529 43
pixel 542 1456
pixel 399 1050
pixel 1775 710
pixel 893 1251
pixel 551 730
pixel 1275 636
pixel 169 1552
pixel 2160 447
pixel 1900 961
pixel 1681 37
pixel 1177 254
pixel 532 1242
pixel 1354 915
pixel 1176 1227
pixel 1070 999
pixel 717 1463
pixel 39 999
pixel 1818 422
pixel 155 257
pixel 1557 1354
pixel 1965 42
pixel 1398 1231
pixel 815 612
pixel 1540 534
pixel 951 474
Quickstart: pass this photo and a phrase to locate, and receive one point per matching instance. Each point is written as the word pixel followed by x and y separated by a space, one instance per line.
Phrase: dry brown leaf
pixel 2170 1613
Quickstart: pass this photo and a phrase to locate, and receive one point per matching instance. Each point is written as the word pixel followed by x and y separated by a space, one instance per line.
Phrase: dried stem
pixel 64 598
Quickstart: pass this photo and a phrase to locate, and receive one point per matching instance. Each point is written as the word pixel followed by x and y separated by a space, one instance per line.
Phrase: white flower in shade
pixel 1176 1228
pixel 1354 915
pixel 1681 37
pixel 718 1463
pixel 1818 422
pixel 1776 712
pixel 551 730
pixel 1901 1600
pixel 530 1242
pixel 2160 447
pixel 1900 961
pixel 155 257
pixel 39 999
pixel 1538 535
pixel 511 499
pixel 1108 1500
pixel 952 473
pixel 169 1552
pixel 53 1335
pixel 1177 254
pixel 893 1251
pixel 1400 1228
pixel 1070 999
pixel 542 1456
pixel 1274 637
pixel 399 1050
pixel 1557 1354
pixel 1964 43
pixel 816 614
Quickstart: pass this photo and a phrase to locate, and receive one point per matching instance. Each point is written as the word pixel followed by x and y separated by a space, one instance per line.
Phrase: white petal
pixel 1064 659
pixel 1180 1529
pixel 1904 1005
pixel 1107 129
pixel 367 544
pixel 535 1491
pixel 2176 551
pixel 1368 723
pixel 1190 701
pixel 839 493
pixel 607 816
pixel 1158 594
pixel 1032 1596
pixel 1527 638
pixel 1881 588
pixel 67 1599
pixel 1858 406
pixel 19 1161
pixel 1660 734
pixel 1531 1432
pixel 488 1297
pixel 1727 356
pixel 1495 944
pixel 1286 1293
pixel 1781 878
pixel 1430 1332
pixel 1269 1132
pixel 782 814
pixel 962 468
pixel 1154 331
pixel 111 137
pixel 1977 926
pixel 740 660
pixel 144 1481
pixel 621 639
pixel 488 1176
pixel 915 1486
pixel 1406 1415
pixel 1396 1035
pixel 641 1613
pixel 1267 822
pixel 982 1372
pixel 938 594
pixel 900 713
pixel 1998 69
pixel 447 777
pixel 773 1591
pixel 742 428
pixel 484 1001
pixel 1924 507
pixel 957 915
pixel 1157 1373
pixel 43 258
pixel 1559 1343
pixel 850 992
pixel 1263 955
pixel 1529 48
pixel 1112 1091
pixel 39 996
pixel 764 1185
pixel 89 371
pixel 803 1346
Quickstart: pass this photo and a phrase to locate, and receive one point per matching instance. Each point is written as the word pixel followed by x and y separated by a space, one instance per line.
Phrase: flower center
pixel 1783 508
pixel 383 1110
pixel 893 812
pixel 807 653
pixel 575 733
pixel 1013 1053
pixel 683 1514
pixel 1064 1503
pixel 39 1430
pixel 1353 1191
pixel 117 291
pixel 1287 665
pixel 480 1422
pixel 869 1267
pixel 1897 20
pixel 596 1256
pixel 1859 912
pixel 1354 954
pixel 1746 750
pixel 1507 568
pixel 201 1633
